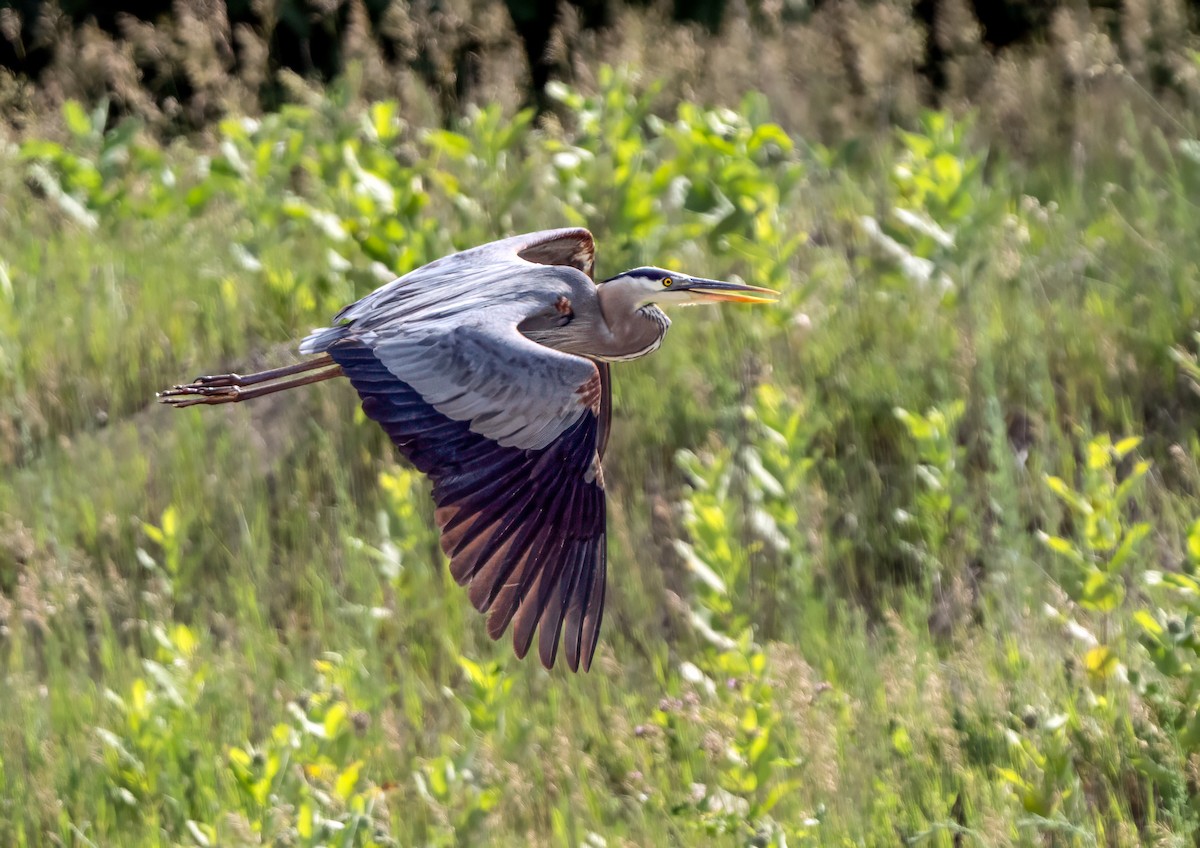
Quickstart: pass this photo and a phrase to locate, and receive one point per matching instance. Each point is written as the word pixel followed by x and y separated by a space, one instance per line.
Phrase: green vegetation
pixel 911 557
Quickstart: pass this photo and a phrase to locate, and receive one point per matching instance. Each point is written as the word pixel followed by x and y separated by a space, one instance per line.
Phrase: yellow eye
pixel 667 282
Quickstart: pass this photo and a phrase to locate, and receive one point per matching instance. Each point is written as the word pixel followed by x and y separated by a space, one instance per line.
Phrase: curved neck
pixel 634 330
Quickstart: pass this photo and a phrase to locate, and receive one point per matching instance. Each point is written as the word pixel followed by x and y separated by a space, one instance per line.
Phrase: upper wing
pixel 474 278
pixel 510 389
pixel 508 431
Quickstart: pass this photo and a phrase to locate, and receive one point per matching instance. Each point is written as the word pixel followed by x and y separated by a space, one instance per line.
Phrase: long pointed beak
pixel 718 290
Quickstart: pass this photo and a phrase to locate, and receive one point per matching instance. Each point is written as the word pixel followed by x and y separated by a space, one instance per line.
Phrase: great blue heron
pixel 488 368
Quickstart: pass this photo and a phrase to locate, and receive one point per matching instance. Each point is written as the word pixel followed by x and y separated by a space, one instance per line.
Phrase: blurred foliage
pixel 877 572
pixel 1042 74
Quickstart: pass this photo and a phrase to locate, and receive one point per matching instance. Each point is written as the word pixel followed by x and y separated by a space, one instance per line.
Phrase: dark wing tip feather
pixel 524 529
pixel 594 614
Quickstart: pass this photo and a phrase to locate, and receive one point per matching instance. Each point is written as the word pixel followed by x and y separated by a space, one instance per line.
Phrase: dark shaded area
pixel 306 38
pixel 307 35
pixel 1005 23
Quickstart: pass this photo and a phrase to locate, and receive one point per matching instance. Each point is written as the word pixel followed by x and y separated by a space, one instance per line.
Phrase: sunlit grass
pixel 832 616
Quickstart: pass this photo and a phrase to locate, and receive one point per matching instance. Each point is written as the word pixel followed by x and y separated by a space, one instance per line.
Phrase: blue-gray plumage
pixel 489 370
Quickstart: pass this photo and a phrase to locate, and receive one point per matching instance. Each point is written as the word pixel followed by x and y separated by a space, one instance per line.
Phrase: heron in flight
pixel 489 370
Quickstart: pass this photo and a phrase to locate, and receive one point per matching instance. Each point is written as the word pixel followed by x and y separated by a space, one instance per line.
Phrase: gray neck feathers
pixel 638 333
pixel 633 329
pixel 656 316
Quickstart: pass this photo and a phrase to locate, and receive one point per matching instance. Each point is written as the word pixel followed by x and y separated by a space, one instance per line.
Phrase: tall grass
pixel 865 582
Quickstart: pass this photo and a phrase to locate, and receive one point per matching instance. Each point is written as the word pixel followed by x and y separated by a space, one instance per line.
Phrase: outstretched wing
pixel 509 431
pixel 516 478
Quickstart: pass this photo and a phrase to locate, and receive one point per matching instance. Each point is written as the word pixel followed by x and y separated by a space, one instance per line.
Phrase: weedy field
pixel 911 557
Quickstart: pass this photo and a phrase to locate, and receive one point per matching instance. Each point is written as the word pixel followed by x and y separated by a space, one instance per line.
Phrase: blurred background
pixel 910 557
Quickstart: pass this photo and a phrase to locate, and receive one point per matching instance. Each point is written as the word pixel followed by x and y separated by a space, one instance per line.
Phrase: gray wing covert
pixel 512 390
pixel 471 280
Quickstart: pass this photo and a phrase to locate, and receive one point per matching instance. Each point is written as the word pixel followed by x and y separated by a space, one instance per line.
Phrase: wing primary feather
pixel 593 568
pixel 528 610
pixel 499 555
pixel 533 603
pixel 486 498
pixel 467 523
pixel 514 589
pixel 594 616
pixel 489 567
pixel 573 639
pixel 556 607
pixel 492 570
pixel 516 604
pixel 481 483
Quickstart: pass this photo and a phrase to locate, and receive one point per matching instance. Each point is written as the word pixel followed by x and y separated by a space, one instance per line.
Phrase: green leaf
pixel 335 720
pixel 347 780
pixel 1133 536
pixel 304 821
pixel 198 195
pixel 1125 489
pixel 918 144
pixel 778 792
pixel 1126 445
pixel 1010 776
pixel 1183 582
pixel 139 696
pixel 1101 592
pixel 36 148
pixel 77 119
pixel 1067 494
pixel 473 670
pixel 948 170
pixel 439 773
pixel 1193 542
pixel 759 746
pixel 383 117
pixel 452 144
pixel 1059 545
pixel 749 719
pixel 1098 453
pixel 1100 662
pixel 1148 622
pixel 487 800
pixel 769 134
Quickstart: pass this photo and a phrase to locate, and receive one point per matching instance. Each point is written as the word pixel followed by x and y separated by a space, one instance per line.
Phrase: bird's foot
pixel 200 392
pixel 231 388
pixel 218 380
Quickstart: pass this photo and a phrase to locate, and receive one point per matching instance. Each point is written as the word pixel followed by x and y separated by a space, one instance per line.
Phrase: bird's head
pixel 671 288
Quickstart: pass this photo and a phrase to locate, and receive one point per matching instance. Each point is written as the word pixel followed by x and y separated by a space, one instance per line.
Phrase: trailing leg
pixel 232 388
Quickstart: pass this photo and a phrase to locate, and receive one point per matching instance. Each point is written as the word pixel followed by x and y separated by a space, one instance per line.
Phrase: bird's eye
pixel 667 282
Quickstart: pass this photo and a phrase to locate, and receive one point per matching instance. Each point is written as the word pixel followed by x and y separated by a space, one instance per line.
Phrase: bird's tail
pixel 319 341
